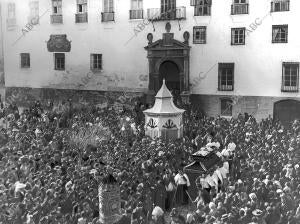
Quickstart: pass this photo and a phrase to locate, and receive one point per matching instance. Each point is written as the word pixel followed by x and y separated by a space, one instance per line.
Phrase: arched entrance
pixel 287 111
pixel 169 71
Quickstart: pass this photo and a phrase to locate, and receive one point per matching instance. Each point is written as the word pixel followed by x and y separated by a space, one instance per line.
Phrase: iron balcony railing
pixel 56 18
pixel 136 14
pixel 81 17
pixel 171 14
pixel 280 5
pixel 107 16
pixel 292 89
pixel 239 9
pixel 225 88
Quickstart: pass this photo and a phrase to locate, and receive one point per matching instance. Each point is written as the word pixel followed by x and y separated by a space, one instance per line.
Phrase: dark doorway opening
pixel 169 71
pixel 287 111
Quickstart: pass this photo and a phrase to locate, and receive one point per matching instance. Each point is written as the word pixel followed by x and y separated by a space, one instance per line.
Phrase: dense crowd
pixel 47 179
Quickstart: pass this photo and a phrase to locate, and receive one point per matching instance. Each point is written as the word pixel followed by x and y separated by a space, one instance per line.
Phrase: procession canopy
pixel 164 119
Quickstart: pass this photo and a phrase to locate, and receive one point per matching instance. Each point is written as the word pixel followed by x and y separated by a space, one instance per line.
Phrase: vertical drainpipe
pixel 2 44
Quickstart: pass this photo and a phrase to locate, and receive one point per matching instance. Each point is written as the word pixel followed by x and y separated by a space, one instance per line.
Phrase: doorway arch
pixel 287 111
pixel 169 71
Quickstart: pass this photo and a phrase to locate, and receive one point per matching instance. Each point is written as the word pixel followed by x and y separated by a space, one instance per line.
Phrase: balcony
pixel 225 88
pixel 56 19
pixel 291 89
pixel 172 14
pixel 107 16
pixel 279 6
pixel 11 22
pixel 237 9
pixel 136 14
pixel 81 17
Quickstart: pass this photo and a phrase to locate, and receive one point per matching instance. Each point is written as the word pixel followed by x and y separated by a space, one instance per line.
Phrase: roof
pixel 164 104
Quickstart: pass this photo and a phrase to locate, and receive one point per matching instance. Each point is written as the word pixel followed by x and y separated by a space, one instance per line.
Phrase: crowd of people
pixel 47 179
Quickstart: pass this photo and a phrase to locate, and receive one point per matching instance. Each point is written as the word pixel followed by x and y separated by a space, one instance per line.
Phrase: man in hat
pixel 176 218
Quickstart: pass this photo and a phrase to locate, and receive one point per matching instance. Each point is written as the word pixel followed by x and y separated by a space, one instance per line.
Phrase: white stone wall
pixel 258 63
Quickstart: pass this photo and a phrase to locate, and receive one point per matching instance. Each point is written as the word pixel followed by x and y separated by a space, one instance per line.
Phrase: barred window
pixel 238 36
pixel 59 59
pixel 96 61
pixel 279 33
pixel 226 76
pixel 25 60
pixel 199 34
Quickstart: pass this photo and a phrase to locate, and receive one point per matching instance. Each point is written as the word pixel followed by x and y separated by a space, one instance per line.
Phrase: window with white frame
pixel 290 77
pixel 279 33
pixel 168 9
pixel 226 76
pixel 25 60
pixel 199 34
pixel 96 61
pixel 280 5
pixel 238 36
pixel 202 8
pixel 59 61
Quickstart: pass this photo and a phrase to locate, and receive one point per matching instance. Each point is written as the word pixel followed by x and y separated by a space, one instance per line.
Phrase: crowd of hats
pixel 44 179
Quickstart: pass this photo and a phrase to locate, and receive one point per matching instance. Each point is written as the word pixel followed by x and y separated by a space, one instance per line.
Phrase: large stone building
pixel 231 56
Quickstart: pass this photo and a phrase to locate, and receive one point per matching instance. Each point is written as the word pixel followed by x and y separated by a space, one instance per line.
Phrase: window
pixel 81 6
pixel 238 36
pixel 136 11
pixel 59 60
pixel 11 15
pixel 96 61
pixel 108 6
pixel 280 5
pixel 81 16
pixel 226 76
pixel 202 8
pixel 57 7
pixel 56 16
pixel 11 7
pixel 34 12
pixel 168 9
pixel 199 35
pixel 108 11
pixel 226 107
pixel 290 77
pixel 279 33
pixel 25 60
pixel 239 7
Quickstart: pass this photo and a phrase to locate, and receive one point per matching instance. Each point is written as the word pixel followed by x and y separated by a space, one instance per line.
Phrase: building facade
pixel 2 83
pixel 230 57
